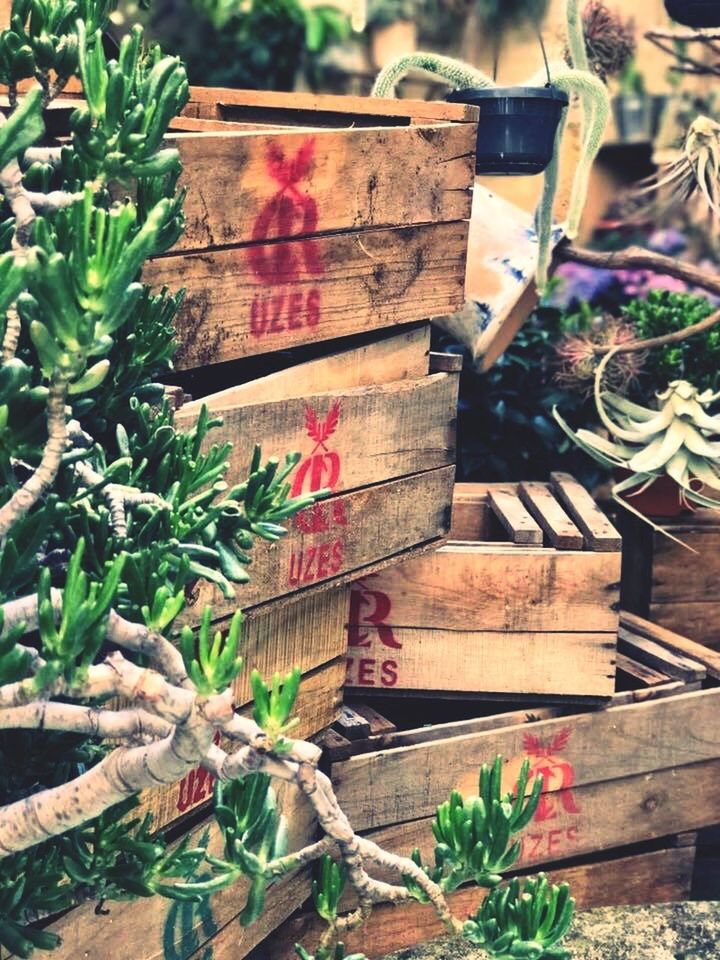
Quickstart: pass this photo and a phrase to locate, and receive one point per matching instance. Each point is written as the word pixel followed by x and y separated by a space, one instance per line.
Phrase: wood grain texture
pixel 354 179
pixel 158 929
pixel 358 282
pixel 515 518
pixel 659 876
pixel 318 705
pixel 599 533
pixel 617 742
pixel 656 655
pixel 699 620
pixel 399 356
pixel 559 529
pixel 239 104
pixel 460 586
pixel 675 642
pixel 377 433
pixel 349 533
pixel 596 817
pixel 580 664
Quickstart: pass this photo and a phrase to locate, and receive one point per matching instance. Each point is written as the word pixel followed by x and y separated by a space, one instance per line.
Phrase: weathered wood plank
pixel 675 642
pixel 239 104
pixel 596 817
pixel 247 300
pixel 623 741
pixel 318 705
pixel 638 672
pixel 349 533
pixel 656 655
pixel 400 356
pixel 458 588
pixel 599 533
pixel 515 518
pixel 346 438
pixel 544 508
pixel 573 664
pixel 347 180
pixel 659 876
pixel 699 620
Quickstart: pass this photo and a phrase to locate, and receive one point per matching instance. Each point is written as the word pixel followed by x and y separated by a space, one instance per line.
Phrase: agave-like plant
pixel 679 438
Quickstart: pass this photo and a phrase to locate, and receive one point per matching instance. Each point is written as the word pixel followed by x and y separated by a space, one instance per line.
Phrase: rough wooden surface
pixel 301 291
pixel 660 876
pixel 595 526
pixel 632 740
pixel 350 533
pixel 353 180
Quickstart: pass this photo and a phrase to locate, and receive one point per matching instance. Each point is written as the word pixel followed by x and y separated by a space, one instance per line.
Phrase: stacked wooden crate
pixel 523 600
pixel 322 232
pixel 626 786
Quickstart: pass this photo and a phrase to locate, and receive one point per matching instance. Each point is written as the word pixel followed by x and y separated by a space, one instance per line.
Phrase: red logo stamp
pixel 320 470
pixel 282 266
pixel 367 627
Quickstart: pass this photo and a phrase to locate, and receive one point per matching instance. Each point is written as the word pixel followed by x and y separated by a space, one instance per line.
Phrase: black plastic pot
pixel 695 13
pixel 516 134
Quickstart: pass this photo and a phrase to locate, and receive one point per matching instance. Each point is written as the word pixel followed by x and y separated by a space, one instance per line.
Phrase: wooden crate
pixel 673 586
pixel 374 426
pixel 276 639
pixel 159 929
pixel 311 218
pixel 522 600
pixel 649 873
pixel 645 766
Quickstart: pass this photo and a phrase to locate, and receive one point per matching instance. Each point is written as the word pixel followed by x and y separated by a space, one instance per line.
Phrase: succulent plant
pixel 680 439
pixel 578 358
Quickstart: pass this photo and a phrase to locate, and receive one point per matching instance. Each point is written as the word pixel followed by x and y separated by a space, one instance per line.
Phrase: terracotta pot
pixel 394 40
pixel 661 499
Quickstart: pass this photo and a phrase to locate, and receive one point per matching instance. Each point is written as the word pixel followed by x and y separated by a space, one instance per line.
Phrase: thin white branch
pixel 118 497
pixel 91 721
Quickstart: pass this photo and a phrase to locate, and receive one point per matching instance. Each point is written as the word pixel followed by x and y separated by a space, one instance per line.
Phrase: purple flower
pixel 670 242
pixel 581 284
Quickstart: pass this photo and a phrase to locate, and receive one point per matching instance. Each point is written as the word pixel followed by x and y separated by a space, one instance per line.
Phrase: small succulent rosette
pixel 502 258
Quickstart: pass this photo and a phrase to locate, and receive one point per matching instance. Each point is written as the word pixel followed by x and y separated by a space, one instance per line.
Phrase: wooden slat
pixel 327 104
pixel 157 928
pixel 557 526
pixel 580 664
pixel 596 817
pixel 318 705
pixel 352 535
pixel 352 180
pixel 680 576
pixel 609 744
pixel 377 433
pixel 446 362
pixel 352 725
pixel 699 620
pixel 599 533
pixel 675 642
pixel 457 588
pixel 356 283
pixel 659 876
pixel 379 725
pixel 400 356
pixel 655 655
pixel 515 518
pixel 638 672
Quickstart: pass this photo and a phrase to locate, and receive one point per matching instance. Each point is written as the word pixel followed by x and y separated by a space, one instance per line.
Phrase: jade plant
pixel 575 79
pixel 110 515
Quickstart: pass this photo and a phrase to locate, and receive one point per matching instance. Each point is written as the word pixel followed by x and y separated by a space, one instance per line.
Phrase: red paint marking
pixel 195 787
pixel 558 774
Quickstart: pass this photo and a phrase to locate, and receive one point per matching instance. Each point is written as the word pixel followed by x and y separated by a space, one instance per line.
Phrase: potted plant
pixel 525 125
pixel 392 27
pixel 695 13
pixel 632 107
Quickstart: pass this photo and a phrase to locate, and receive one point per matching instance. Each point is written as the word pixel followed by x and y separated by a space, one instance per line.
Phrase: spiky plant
pixel 578 358
pixel 609 37
pixel 679 439
pixel 576 79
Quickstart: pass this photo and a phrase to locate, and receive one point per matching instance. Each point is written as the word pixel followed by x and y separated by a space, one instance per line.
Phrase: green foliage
pixel 523 922
pixel 274 705
pixel 473 835
pixel 263 44
pixel 696 359
pixel 22 128
pixel 506 430
pixel 327 888
pixel 212 667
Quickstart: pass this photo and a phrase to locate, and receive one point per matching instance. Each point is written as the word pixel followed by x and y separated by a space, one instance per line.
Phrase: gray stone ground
pixel 686 931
